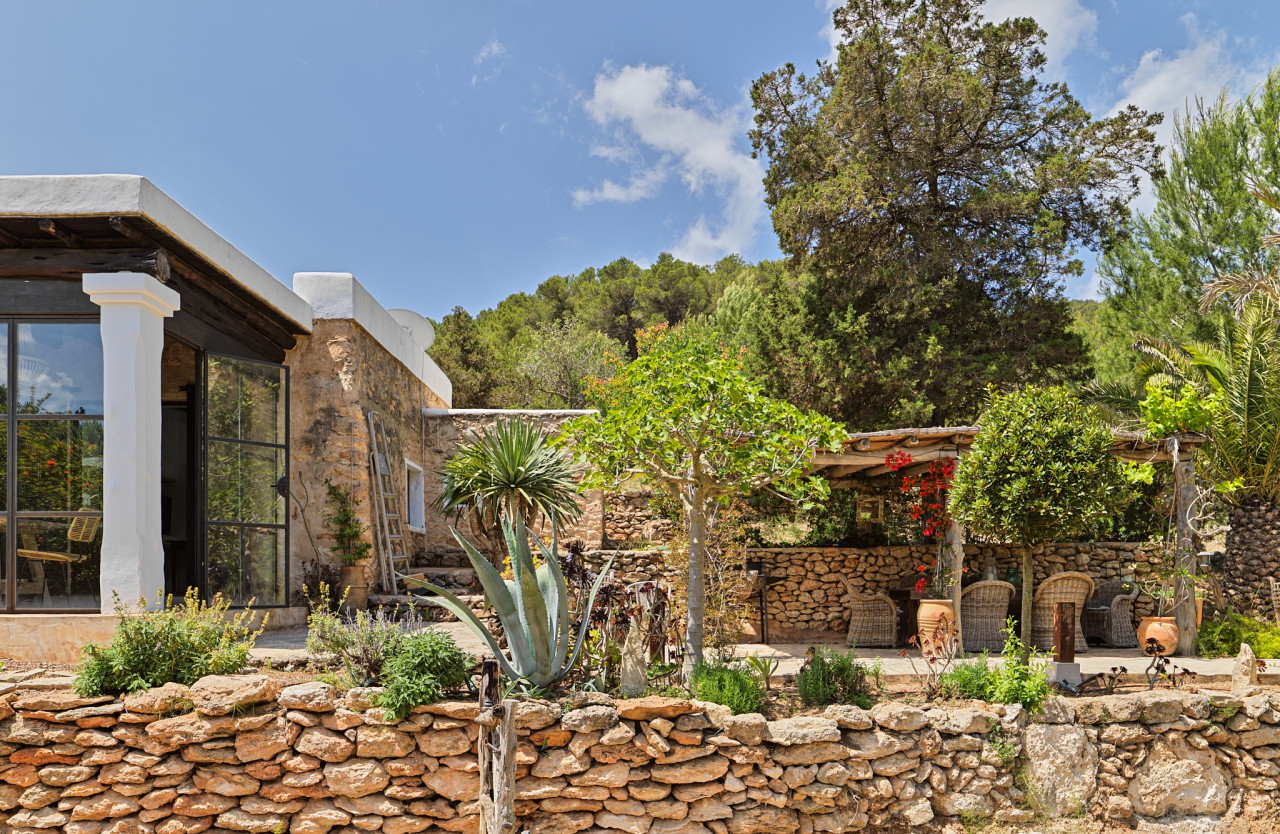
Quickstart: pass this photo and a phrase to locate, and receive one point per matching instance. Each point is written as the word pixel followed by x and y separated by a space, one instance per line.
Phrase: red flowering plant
pixel 928 505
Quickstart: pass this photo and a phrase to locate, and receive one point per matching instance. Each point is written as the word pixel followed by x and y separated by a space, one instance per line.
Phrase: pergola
pixel 863 459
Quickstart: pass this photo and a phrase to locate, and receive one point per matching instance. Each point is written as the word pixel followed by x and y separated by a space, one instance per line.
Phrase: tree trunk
pixel 1253 555
pixel 1184 586
pixel 697 584
pixel 1028 586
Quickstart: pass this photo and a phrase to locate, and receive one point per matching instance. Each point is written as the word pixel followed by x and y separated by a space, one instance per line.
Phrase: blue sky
pixel 454 152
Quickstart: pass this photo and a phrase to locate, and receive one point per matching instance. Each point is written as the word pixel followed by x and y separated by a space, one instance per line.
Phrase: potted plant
pixel 1163 626
pixel 349 543
pixel 936 615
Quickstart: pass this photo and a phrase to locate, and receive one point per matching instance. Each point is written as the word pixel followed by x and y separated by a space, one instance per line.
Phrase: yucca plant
pixel 533 608
pixel 510 470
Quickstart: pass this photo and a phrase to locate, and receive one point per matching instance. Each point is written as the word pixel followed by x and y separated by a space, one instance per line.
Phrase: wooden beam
pixel 66 236
pixel 7 239
pixel 72 263
pixel 123 228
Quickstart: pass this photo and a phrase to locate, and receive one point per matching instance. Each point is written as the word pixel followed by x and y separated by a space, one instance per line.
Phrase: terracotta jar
pixel 357 586
pixel 1163 629
pixel 929 616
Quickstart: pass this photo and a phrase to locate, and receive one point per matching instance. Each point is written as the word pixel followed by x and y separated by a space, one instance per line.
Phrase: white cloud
pixel 1068 25
pixel 494 54
pixel 652 109
pixel 828 32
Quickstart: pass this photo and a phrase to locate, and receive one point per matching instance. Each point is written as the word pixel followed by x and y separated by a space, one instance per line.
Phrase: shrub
pixel 727 685
pixel 425 664
pixel 182 642
pixel 361 642
pixel 968 679
pixel 1019 681
pixel 832 677
pixel 1222 636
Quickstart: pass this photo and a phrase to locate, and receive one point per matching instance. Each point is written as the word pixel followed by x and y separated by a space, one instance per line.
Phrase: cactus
pixel 533 608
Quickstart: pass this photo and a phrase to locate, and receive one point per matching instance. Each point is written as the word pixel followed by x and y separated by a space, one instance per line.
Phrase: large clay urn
pixel 357 586
pixel 930 629
pixel 1163 629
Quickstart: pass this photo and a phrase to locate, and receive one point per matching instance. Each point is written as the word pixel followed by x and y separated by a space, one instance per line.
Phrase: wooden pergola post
pixel 1185 559
pixel 955 550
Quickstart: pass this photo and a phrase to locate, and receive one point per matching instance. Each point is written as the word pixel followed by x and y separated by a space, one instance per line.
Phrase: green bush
pixel 361 642
pixel 423 666
pixel 182 642
pixel 1015 681
pixel 833 677
pixel 727 685
pixel 968 679
pixel 1222 636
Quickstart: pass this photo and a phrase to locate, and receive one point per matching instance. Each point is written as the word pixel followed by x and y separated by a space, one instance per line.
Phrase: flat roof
pixel 81 197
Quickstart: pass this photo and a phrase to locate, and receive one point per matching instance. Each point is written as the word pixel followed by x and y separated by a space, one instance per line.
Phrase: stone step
pixel 475 602
pixel 448 578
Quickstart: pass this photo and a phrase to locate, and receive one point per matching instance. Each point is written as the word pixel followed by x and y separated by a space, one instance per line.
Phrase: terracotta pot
pixel 929 618
pixel 1163 629
pixel 356 585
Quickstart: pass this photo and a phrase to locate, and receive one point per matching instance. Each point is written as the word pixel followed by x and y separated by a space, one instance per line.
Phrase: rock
pixel 897 716
pixel 444 742
pixel 1063 765
pixel 1244 674
pixel 55 700
pixel 383 742
pixel 916 811
pixel 531 787
pixel 962 721
pixel 704 769
pixel 374 803
pixel 405 825
pixel 561 822
pixel 356 777
pixel 38 818
pixel 618 822
pixel 453 784
pixel 634 679
pixel 1056 710
pixel 559 762
pixel 190 729
pixel 318 816
pixel 763 819
pixel 709 808
pixel 1177 778
pixel 1263 735
pixel 224 782
pixel 589 719
pixel 654 706
pixel 715 713
pixel 263 743
pixel 536 715
pixel 647 790
pixel 223 694
pixel 1016 815
pixel 814 753
pixel 794 731
pixel 61 776
pixel 958 803
pixel 181 825
pixel 620 733
pixel 748 729
pixel 678 827
pixel 239 820
pixel 312 696
pixel 848 717
pixel 108 805
pixel 873 744
pixel 1119 808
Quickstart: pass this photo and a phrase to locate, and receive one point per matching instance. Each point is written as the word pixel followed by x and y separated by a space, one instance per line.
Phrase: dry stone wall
pixel 240 754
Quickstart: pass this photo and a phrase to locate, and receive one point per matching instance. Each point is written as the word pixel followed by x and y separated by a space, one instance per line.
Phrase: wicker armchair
pixel 1069 586
pixel 984 606
pixel 873 618
pixel 1275 597
pixel 1108 615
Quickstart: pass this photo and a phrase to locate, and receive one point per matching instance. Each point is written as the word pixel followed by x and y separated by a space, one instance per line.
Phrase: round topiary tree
pixel 1041 470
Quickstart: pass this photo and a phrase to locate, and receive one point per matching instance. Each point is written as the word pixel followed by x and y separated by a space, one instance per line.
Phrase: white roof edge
pixel 97 195
pixel 338 295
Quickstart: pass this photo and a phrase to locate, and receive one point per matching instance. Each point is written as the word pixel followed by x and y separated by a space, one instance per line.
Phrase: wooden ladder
pixel 392 560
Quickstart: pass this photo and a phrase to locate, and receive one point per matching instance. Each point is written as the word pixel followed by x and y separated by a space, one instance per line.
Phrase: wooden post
pixel 496 754
pixel 1064 632
pixel 1185 559
pixel 955 548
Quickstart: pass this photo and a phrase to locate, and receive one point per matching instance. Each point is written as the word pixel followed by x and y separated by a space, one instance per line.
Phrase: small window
pixel 414 496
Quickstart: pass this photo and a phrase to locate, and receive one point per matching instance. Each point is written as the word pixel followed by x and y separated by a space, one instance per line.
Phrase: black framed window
pixel 246 477
pixel 51 438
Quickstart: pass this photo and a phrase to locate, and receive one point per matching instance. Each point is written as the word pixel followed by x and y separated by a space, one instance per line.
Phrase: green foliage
pixel 686 417
pixel 344 523
pixel 181 642
pixel 1222 636
pixel 425 664
pixel 1166 415
pixel 1206 223
pixel 939 248
pixel 970 679
pixel 729 686
pixel 762 666
pixel 533 608
pixel 565 357
pixel 833 677
pixel 360 642
pixel 510 470
pixel 1014 680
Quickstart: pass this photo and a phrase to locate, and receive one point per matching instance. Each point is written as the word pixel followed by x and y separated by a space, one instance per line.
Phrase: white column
pixel 134 307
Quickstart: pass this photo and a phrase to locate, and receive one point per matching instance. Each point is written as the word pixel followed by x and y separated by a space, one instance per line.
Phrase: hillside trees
pixel 938 192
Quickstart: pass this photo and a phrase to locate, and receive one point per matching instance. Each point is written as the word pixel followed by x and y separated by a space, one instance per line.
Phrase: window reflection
pixel 59 369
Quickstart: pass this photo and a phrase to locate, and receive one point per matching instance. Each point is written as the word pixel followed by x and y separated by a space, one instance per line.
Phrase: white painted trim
pixel 100 195
pixel 131 288
pixel 422 496
pixel 338 295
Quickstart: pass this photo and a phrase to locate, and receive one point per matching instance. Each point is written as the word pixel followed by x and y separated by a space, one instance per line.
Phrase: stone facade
pixel 629 518
pixel 337 375
pixel 1253 557
pixel 239 753
pixel 442 434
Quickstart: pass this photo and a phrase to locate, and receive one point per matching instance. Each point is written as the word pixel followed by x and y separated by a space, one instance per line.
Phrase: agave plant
pixel 533 608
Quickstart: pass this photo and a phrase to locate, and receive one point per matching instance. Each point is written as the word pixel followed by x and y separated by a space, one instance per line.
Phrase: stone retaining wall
pixel 628 517
pixel 243 755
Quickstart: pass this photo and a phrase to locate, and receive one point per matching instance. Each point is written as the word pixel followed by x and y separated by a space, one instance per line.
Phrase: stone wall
pixel 629 518
pixel 240 754
pixel 443 433
pixel 337 375
pixel 1253 557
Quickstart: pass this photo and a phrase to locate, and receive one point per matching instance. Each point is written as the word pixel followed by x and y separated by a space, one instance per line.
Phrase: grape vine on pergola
pixel 863 459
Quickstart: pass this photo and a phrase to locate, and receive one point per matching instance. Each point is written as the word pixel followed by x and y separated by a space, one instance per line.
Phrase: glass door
pixel 246 477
